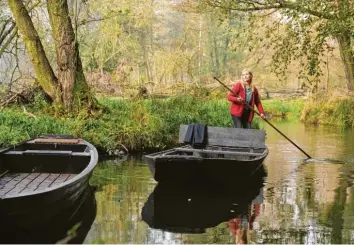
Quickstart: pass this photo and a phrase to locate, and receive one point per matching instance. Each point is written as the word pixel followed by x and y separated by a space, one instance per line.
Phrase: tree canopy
pixel 302 30
pixel 165 45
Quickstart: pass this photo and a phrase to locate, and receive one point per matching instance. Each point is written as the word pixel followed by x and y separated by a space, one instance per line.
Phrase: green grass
pixel 286 109
pixel 154 123
pixel 336 111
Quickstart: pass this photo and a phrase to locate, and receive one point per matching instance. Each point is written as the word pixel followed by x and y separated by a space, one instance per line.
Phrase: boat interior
pixel 238 153
pixel 37 165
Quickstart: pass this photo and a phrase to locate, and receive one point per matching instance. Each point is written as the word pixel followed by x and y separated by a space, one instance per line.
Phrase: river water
pixel 297 201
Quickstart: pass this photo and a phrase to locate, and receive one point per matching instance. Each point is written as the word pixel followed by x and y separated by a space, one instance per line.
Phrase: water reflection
pixel 70 226
pixel 302 202
pixel 192 208
pixel 311 205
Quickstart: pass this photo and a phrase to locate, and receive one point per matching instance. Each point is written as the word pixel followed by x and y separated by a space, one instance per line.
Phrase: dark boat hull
pixel 226 154
pixel 28 211
pixel 79 215
pixel 185 170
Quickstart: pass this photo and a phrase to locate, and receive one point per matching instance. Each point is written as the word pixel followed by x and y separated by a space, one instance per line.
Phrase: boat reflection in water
pixel 70 226
pixel 191 208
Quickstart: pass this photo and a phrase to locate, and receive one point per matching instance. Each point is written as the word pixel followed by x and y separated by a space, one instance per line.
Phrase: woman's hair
pixel 246 70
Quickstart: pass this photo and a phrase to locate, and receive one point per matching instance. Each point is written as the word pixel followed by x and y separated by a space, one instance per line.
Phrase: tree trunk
pixel 347 55
pixel 215 46
pixel 199 50
pixel 75 90
pixel 34 48
pixel 145 57
pixel 226 43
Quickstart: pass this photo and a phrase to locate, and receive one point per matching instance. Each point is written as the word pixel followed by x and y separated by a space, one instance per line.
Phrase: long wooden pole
pixel 249 107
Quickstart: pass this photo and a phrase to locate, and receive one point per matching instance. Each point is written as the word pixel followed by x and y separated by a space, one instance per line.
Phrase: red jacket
pixel 237 107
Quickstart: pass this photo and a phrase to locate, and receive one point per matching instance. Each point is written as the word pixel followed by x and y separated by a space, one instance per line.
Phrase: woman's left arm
pixel 258 104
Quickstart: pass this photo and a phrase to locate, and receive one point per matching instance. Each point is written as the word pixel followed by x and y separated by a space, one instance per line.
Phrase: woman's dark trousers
pixel 242 122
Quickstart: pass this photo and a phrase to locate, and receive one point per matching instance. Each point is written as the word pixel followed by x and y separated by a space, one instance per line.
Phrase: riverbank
pixel 142 124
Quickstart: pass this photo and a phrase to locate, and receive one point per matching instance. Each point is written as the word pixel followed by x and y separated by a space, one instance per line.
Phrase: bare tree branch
pixel 3 28
pixel 4 34
pixel 12 30
pixel 9 40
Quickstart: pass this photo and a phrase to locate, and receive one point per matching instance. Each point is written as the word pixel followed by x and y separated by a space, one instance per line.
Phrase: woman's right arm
pixel 231 96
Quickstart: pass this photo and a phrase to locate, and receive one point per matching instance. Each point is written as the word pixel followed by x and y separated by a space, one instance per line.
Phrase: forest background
pixel 125 74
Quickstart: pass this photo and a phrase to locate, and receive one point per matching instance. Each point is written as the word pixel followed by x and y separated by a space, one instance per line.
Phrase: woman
pixel 246 93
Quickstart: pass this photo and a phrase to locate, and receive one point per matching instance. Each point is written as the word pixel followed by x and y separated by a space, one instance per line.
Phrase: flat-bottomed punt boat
pixel 228 153
pixel 42 176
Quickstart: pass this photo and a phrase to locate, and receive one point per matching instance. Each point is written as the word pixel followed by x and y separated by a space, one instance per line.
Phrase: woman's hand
pixel 262 116
pixel 239 101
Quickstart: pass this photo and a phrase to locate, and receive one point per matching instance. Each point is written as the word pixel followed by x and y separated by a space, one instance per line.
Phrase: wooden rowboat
pixel 228 153
pixel 42 176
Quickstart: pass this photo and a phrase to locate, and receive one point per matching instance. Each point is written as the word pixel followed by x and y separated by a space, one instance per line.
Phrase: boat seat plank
pixel 48 152
pixel 13 153
pixel 81 154
pixel 4 149
pixel 38 152
pixel 55 140
pixel 218 152
pixel 226 148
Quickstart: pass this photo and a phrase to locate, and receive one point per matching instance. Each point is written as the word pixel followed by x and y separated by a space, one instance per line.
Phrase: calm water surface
pixel 297 202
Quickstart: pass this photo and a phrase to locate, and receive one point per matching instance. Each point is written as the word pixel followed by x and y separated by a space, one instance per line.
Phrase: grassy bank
pixel 131 124
pixel 152 123
pixel 329 110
